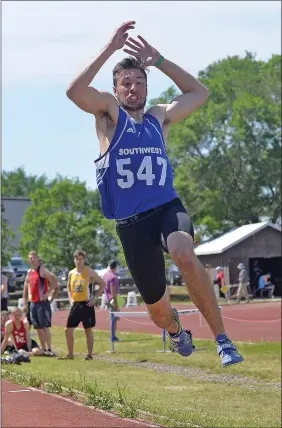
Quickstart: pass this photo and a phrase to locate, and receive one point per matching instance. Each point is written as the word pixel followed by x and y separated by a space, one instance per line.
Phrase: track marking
pixel 21 390
pixel 104 412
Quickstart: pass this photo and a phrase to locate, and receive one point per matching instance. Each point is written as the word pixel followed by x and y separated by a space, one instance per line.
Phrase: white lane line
pixel 21 390
pixel 111 415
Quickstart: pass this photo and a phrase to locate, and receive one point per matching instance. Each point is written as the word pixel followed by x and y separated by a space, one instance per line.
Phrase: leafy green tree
pixel 60 220
pixel 17 183
pixel 7 235
pixel 227 155
pixel 109 243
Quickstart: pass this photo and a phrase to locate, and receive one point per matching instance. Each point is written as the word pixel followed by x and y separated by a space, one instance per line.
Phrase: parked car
pixel 173 275
pixel 124 277
pixel 20 269
pixel 63 275
pixel 10 274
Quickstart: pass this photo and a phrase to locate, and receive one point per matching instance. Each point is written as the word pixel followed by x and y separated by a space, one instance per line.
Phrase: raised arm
pixel 88 98
pixel 54 289
pixel 53 282
pixel 194 93
pixel 25 292
pixel 69 289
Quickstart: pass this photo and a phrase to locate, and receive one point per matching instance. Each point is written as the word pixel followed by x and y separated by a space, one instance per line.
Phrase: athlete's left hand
pixel 92 302
pixel 143 50
pixel 44 297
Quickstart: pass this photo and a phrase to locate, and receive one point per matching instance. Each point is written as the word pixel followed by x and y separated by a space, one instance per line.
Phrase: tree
pixel 227 155
pixel 18 184
pixel 109 243
pixel 7 235
pixel 60 220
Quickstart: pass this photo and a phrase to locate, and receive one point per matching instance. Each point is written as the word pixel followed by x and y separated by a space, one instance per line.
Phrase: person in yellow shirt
pixel 82 305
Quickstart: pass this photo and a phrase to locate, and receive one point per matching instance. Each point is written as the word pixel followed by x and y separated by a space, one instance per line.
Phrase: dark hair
pixel 79 253
pixel 128 63
pixel 113 264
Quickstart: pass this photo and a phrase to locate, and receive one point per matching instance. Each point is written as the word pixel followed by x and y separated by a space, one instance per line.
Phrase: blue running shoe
pixel 227 351
pixel 182 341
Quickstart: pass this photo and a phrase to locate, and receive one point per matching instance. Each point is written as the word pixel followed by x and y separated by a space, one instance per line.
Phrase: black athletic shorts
pixel 40 314
pixel 144 237
pixel 34 344
pixel 80 312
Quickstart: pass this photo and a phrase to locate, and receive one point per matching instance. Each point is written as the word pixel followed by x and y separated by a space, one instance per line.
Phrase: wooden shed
pixel 256 245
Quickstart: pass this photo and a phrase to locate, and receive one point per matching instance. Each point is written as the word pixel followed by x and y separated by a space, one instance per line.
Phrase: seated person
pixel 18 331
pixel 4 318
pixel 268 285
pixel 265 283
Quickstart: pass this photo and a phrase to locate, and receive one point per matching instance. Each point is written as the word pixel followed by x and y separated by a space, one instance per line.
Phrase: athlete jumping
pixel 135 181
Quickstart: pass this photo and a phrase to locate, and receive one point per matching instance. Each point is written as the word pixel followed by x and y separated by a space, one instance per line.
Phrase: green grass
pixel 123 383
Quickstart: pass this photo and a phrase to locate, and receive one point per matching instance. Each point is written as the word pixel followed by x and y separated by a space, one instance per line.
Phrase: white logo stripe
pixel 160 134
pixel 122 132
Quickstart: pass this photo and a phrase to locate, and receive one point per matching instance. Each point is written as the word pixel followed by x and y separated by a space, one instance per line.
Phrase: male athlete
pixel 82 306
pixel 18 330
pixel 135 181
pixel 40 287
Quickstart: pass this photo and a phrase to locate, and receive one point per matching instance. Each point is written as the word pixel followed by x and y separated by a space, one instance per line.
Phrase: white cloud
pixel 50 41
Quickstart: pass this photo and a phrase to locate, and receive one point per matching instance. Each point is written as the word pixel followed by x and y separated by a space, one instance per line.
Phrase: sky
pixel 46 44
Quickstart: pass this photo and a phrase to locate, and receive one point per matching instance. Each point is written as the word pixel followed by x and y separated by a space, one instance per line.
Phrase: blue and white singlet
pixel 134 175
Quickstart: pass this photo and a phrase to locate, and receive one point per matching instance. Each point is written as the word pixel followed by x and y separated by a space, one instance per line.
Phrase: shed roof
pixel 229 239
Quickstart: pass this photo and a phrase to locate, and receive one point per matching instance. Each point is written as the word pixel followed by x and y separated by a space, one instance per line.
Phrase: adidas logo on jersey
pixel 131 130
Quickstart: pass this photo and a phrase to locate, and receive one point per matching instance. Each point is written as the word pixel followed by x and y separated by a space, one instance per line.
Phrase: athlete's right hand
pixel 120 35
pixel 91 302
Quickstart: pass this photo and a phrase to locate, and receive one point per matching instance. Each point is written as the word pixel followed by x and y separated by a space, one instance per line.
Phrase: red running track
pixel 27 407
pixel 243 322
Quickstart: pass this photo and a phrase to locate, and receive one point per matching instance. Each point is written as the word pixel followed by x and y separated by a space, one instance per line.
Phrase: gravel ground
pixel 199 374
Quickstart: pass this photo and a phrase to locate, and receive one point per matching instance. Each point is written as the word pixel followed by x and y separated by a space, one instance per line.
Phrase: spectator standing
pixel 39 289
pixel 112 290
pixel 208 269
pixel 243 281
pixel 220 280
pixel 82 305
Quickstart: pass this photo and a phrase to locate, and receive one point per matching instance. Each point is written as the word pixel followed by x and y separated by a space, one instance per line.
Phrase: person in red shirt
pixel 18 331
pixel 220 277
pixel 40 287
